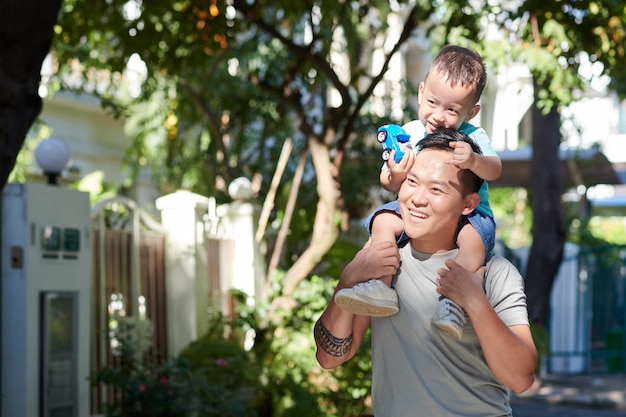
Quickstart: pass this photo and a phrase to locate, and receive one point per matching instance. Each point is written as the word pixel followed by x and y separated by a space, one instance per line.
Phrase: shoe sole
pixel 363 308
pixel 451 330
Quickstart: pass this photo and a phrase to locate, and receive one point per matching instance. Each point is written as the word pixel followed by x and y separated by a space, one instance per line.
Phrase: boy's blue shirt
pixel 479 135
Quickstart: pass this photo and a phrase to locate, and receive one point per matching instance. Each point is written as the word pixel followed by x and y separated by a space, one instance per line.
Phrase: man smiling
pixel 417 371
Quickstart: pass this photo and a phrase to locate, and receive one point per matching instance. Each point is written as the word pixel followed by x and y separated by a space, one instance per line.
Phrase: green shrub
pixel 141 387
pixel 229 373
pixel 278 376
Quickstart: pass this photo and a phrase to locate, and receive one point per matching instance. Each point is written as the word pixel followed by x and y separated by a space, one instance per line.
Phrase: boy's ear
pixel 419 92
pixel 471 202
pixel 472 113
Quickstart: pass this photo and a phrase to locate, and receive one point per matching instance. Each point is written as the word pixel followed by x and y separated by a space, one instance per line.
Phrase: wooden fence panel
pixel 112 292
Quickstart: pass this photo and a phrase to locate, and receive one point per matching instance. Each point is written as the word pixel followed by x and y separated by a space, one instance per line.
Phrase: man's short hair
pixel 462 66
pixel 440 139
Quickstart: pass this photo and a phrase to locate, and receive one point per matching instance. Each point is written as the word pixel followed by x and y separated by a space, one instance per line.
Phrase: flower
pixel 221 362
pixel 142 388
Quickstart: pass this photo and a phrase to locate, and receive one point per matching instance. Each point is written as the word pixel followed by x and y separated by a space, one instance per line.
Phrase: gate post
pixel 182 215
pixel 240 220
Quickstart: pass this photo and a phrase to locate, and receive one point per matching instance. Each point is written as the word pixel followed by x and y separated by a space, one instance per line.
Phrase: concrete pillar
pixel 240 219
pixel 45 301
pixel 182 215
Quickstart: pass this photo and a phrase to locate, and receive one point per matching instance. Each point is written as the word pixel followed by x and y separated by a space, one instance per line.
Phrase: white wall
pixel 96 140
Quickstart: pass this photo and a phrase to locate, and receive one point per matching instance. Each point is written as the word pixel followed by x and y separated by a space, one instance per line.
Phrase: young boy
pixel 448 98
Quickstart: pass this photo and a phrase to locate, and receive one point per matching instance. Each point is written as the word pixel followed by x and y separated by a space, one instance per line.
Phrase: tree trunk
pixel 25 38
pixel 325 228
pixel 548 230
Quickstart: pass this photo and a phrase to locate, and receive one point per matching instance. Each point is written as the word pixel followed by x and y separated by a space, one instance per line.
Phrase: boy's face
pixel 442 105
pixel 431 201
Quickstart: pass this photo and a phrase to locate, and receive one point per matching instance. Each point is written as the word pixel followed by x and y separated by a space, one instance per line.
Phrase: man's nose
pixel 419 196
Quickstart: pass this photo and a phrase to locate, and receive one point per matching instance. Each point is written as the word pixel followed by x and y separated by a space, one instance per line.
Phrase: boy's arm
pixel 387 180
pixel 487 167
pixel 393 174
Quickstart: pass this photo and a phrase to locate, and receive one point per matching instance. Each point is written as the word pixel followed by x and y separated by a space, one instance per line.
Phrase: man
pixel 418 371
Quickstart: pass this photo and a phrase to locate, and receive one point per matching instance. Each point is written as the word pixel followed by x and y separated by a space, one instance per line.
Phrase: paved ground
pixel 526 408
pixel 593 391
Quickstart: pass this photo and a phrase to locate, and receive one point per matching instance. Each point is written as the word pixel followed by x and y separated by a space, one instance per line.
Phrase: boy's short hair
pixel 463 66
pixel 440 140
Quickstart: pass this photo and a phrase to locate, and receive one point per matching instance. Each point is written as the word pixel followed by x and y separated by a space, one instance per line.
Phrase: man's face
pixel 432 202
pixel 444 106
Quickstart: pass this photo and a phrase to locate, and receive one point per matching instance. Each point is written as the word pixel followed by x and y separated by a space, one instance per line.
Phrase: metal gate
pixel 588 312
pixel 605 268
pixel 128 280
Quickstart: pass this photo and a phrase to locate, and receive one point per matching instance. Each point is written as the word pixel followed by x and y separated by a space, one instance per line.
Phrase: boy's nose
pixel 440 118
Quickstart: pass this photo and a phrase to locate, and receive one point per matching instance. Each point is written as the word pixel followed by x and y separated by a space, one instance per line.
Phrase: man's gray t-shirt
pixel 420 371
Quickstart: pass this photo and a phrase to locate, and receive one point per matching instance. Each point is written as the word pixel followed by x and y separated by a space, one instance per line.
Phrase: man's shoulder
pixel 498 265
pixel 495 259
pixel 499 262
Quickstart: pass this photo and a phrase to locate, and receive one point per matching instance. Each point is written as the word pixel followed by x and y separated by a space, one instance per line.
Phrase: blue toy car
pixel 393 138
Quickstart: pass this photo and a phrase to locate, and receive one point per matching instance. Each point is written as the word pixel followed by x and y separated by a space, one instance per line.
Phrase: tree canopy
pixel 225 83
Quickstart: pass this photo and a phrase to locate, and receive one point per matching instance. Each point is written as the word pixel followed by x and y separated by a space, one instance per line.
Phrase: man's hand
pixel 338 334
pixel 459 284
pixel 373 261
pixel 509 350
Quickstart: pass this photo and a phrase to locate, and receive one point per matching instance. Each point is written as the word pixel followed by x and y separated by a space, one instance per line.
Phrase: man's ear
pixel 471 202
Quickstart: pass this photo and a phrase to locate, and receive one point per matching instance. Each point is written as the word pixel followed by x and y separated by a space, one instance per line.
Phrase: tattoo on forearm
pixel 334 346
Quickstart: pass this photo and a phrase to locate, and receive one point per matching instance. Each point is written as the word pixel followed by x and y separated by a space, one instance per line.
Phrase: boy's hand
pixel 399 171
pixel 463 156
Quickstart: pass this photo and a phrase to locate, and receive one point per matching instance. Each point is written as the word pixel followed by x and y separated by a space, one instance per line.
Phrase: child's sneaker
pixel 369 298
pixel 449 317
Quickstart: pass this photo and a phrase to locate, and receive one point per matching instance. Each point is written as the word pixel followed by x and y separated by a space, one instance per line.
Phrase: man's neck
pixel 432 247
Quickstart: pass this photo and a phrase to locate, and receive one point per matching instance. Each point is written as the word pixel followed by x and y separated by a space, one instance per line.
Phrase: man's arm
pixel 509 351
pixel 338 334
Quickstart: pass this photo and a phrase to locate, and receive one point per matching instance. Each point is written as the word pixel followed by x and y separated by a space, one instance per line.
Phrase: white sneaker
pixel 449 317
pixel 369 298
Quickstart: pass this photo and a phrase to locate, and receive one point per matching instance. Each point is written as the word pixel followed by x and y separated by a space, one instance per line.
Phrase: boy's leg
pixel 449 317
pixel 374 297
pixel 471 255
